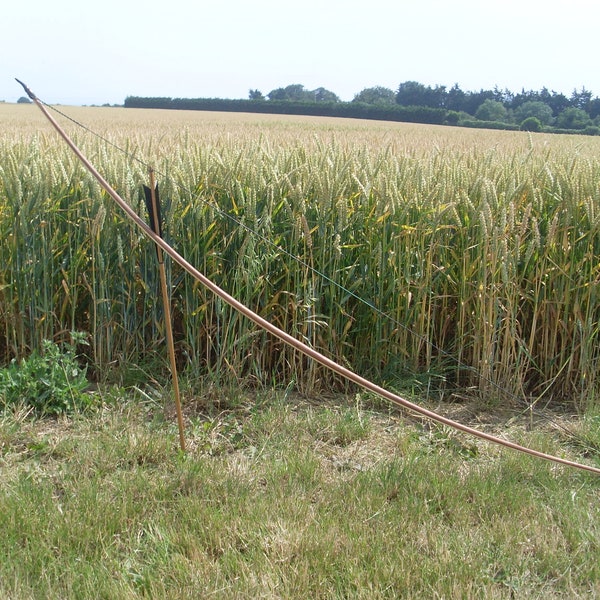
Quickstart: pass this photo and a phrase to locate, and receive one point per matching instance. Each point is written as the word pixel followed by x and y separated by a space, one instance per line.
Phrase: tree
pixel 573 118
pixel 455 99
pixel 522 97
pixel 491 110
pixel 376 95
pixel 255 95
pixel 23 100
pixel 504 96
pixel 413 93
pixel 473 100
pixel 293 93
pixel 534 108
pixel 593 108
pixel 581 99
pixel 323 95
pixel 557 102
pixel 298 93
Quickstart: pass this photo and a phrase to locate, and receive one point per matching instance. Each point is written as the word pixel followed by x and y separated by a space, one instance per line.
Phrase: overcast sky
pixel 82 52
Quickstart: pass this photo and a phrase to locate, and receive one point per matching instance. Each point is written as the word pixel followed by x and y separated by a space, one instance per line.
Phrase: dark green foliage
pixel 413 102
pixel 452 117
pixel 375 95
pixel 477 124
pixel 255 95
pixel 292 93
pixel 412 93
pixel 573 118
pixel 298 93
pixel 324 95
pixel 491 110
pixel 355 110
pixel 592 130
pixel 556 112
pixel 539 110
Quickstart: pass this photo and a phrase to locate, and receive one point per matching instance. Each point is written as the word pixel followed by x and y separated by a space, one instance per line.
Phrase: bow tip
pixel 27 90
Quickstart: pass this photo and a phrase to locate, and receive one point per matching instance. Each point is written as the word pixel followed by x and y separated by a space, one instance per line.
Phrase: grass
pixel 280 497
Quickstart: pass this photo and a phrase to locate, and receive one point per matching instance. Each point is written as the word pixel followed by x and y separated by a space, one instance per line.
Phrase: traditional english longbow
pixel 279 333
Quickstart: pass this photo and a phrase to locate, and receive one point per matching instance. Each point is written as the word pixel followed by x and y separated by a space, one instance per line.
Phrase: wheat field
pixel 465 261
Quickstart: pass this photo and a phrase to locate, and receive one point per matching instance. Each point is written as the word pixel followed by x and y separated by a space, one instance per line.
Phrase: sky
pixel 81 52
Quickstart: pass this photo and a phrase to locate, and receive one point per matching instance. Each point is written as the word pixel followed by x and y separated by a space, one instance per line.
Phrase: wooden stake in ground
pixel 153 205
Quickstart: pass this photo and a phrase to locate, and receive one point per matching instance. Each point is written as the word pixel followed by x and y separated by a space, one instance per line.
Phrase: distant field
pixel 480 249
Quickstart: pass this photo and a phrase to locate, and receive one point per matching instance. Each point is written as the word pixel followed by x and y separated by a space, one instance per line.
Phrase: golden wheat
pixel 479 250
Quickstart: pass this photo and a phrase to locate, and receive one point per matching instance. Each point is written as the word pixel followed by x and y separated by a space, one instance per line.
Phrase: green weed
pixel 49 382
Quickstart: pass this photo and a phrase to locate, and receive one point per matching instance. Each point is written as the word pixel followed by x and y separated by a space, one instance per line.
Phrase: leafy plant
pixel 531 124
pixel 51 382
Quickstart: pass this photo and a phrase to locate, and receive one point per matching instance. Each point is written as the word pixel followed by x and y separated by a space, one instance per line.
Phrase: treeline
pixel 410 114
pixel 414 102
